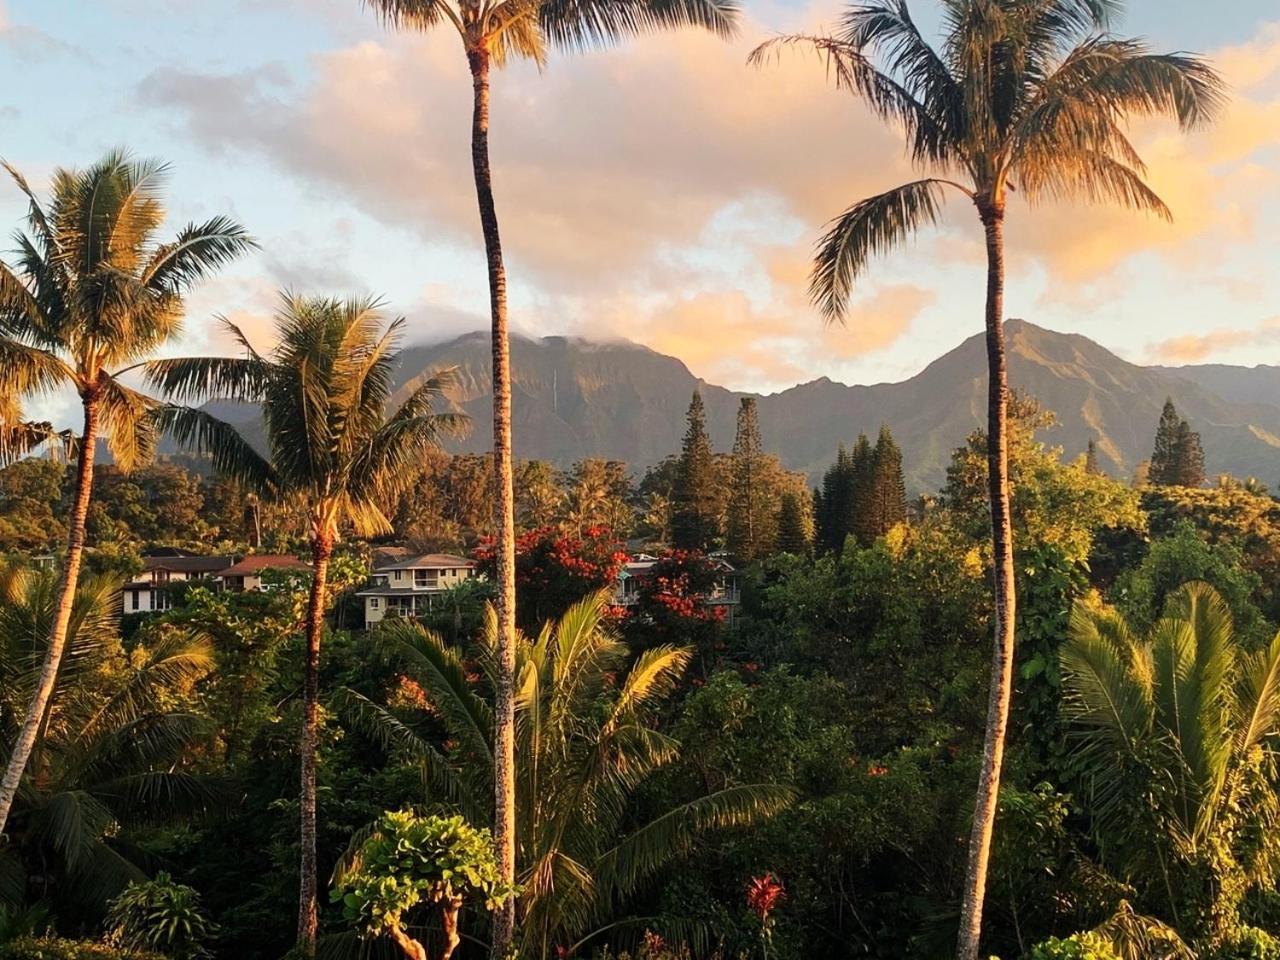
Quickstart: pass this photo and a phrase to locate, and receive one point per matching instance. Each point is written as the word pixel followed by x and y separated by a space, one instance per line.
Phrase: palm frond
pixel 230 453
pixel 1258 696
pixel 869 227
pixel 194 379
pixel 440 670
pixel 638 856
pixel 199 251
pixel 128 421
pixel 583 24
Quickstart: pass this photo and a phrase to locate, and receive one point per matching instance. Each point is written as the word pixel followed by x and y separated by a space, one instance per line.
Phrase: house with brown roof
pixel 248 573
pixel 409 586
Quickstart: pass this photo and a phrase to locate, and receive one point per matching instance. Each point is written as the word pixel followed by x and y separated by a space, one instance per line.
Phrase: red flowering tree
pixel 675 601
pixel 555 570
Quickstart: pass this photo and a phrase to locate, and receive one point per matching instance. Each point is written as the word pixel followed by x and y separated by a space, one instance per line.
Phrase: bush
pixel 1248 943
pixel 161 915
pixel 1078 946
pixel 27 948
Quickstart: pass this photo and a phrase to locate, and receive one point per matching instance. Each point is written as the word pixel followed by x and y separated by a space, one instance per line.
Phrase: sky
pixel 660 191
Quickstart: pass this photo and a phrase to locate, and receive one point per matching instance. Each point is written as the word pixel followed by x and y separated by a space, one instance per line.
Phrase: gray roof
pixel 187 564
pixel 426 561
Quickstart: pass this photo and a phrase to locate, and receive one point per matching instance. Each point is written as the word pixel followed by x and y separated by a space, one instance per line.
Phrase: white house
pixel 149 591
pixel 407 587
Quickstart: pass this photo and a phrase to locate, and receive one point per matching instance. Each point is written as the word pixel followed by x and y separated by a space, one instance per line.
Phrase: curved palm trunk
pixel 504 813
pixel 984 813
pixel 308 922
pixel 62 617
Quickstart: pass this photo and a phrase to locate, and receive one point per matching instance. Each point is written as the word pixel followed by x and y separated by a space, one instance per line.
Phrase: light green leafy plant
pixel 410 860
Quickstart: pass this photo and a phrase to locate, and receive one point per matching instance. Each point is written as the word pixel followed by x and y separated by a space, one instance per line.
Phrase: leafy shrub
pixel 160 915
pixel 27 948
pixel 409 860
pixel 1078 946
pixel 1248 943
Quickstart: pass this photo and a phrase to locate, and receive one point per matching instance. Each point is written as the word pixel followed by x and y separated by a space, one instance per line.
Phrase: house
pixel 149 591
pixel 725 594
pixel 407 586
pixel 248 573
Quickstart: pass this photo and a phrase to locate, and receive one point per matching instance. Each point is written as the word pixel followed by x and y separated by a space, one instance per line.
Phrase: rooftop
pixel 426 561
pixel 264 561
pixel 187 564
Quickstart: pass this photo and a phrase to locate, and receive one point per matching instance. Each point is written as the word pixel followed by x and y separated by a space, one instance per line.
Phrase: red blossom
pixel 763 894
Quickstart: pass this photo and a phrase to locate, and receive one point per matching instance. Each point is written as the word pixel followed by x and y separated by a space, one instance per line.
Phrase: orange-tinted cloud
pixel 1194 348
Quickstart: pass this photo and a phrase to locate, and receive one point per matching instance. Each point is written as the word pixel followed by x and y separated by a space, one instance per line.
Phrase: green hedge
pixel 26 948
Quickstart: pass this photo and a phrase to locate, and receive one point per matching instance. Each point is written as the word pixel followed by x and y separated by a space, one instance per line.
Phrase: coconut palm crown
pixel 334 449
pixel 90 293
pixel 1023 96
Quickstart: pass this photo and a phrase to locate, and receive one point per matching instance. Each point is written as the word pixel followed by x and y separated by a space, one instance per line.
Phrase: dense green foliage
pixel 161 916
pixel 855 679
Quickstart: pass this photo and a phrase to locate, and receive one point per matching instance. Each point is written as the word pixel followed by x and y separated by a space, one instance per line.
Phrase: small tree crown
pixel 409 860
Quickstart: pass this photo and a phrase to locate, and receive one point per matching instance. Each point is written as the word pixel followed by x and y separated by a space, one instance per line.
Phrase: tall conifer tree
pixel 693 515
pixel 1188 465
pixel 861 520
pixel 887 488
pixel 1091 459
pixel 1163 469
pixel 752 519
pixel 793 532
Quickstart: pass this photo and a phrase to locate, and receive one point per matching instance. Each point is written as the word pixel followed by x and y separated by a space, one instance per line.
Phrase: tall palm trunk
pixel 984 813
pixel 62 617
pixel 504 813
pixel 321 551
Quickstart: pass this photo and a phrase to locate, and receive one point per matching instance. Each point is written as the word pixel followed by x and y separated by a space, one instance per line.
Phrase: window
pixel 374 603
pixel 398 572
pixel 133 599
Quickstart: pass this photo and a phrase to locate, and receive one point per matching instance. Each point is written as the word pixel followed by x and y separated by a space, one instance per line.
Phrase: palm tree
pixel 1025 95
pixel 1173 751
pixel 492 32
pixel 586 742
pixel 108 752
pixel 93 292
pixel 332 449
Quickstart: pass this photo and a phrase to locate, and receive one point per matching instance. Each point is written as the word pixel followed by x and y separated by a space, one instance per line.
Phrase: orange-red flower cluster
pixel 763 894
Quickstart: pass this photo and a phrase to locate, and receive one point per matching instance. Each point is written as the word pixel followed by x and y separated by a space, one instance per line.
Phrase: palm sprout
pixel 92 292
pixel 585 744
pixel 1171 736
pixel 1022 95
pixel 333 448
pixel 108 753
pixel 492 32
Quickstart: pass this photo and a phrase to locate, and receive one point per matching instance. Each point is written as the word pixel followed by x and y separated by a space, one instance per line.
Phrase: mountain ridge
pixel 574 397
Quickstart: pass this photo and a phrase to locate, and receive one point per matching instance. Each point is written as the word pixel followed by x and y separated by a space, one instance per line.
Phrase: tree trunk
pixel 62 616
pixel 451 907
pixel 984 813
pixel 409 946
pixel 504 812
pixel 308 922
